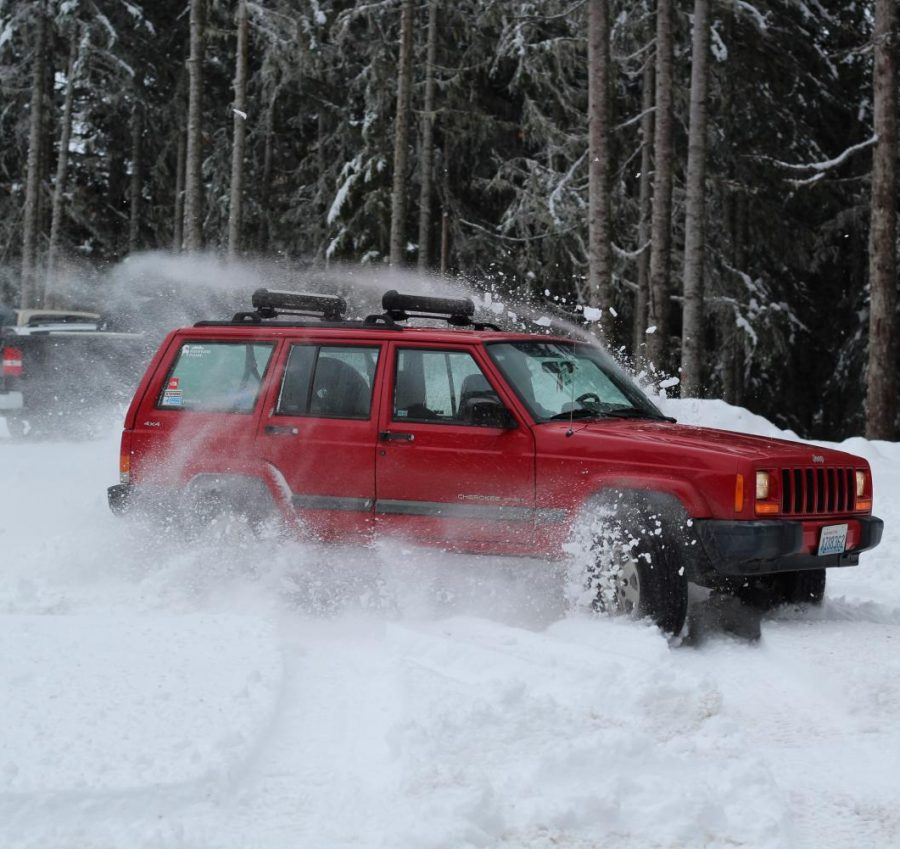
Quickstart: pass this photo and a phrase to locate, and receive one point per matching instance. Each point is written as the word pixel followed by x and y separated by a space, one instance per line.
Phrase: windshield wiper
pixel 580 413
pixel 635 413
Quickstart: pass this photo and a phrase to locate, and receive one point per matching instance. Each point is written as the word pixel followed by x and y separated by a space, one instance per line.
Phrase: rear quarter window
pixel 216 376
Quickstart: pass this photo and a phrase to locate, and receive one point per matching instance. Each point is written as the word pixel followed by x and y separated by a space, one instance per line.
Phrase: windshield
pixel 562 380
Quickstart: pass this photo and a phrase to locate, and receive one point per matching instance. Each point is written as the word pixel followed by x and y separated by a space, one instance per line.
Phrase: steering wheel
pixel 591 399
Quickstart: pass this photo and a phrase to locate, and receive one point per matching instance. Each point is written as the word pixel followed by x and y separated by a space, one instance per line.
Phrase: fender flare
pixel 650 502
pixel 243 494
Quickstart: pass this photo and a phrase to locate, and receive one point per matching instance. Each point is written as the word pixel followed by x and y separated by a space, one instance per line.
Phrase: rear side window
pixel 216 377
pixel 328 381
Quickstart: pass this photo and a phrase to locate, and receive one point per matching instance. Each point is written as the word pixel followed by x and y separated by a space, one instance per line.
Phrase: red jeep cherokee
pixel 466 437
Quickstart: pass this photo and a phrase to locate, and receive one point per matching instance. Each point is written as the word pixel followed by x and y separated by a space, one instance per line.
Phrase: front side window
pixel 216 377
pixel 328 381
pixel 559 380
pixel 439 387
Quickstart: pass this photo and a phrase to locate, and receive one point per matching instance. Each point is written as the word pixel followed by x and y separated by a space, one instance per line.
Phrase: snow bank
pixel 105 704
pixel 582 735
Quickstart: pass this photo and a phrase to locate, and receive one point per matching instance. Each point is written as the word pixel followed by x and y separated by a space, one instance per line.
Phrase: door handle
pixel 387 436
pixel 281 430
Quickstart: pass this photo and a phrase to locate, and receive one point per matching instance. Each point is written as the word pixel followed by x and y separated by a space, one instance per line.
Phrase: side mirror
pixel 488 412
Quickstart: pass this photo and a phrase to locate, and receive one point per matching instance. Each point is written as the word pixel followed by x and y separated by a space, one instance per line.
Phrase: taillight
pixel 12 362
pixel 125 458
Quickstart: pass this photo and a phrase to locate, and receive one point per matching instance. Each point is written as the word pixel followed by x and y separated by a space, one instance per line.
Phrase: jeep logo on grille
pixel 818 458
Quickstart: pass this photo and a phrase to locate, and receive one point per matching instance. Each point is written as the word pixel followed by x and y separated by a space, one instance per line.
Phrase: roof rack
pixel 271 303
pixel 399 307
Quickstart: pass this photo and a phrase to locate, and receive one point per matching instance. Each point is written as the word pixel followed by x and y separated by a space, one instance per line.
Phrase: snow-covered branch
pixel 828 164
pixel 623 254
pixel 634 120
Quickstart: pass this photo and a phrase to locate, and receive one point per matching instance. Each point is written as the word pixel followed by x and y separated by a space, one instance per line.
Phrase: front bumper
pixel 761 548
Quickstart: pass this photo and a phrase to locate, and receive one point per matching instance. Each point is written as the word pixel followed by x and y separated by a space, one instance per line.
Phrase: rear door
pixel 318 433
pixel 197 414
pixel 440 477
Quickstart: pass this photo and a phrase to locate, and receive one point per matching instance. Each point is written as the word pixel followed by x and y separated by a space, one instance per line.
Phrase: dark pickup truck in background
pixel 62 372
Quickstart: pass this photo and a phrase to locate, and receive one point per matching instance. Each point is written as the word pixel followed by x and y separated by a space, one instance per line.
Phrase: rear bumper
pixel 119 498
pixel 10 401
pixel 761 548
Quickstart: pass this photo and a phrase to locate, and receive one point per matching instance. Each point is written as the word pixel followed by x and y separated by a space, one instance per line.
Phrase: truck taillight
pixel 125 458
pixel 12 362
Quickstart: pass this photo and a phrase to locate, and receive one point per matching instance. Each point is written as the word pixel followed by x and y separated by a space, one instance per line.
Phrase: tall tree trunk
pixel 265 190
pixel 321 229
pixel 445 242
pixel 445 214
pixel 695 210
pixel 135 186
pixel 240 127
pixel 401 136
pixel 181 158
pixel 424 259
pixel 193 181
pixel 645 209
pixel 599 249
pixel 62 164
pixel 660 249
pixel 881 379
pixel 31 214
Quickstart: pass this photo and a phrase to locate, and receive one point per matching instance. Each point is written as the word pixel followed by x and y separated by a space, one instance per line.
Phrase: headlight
pixel 762 486
pixel 860 483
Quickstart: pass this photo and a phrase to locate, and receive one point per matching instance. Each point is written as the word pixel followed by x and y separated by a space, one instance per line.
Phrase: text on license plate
pixel 833 540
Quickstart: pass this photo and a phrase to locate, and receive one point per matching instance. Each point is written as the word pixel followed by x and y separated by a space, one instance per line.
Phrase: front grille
pixel 816 489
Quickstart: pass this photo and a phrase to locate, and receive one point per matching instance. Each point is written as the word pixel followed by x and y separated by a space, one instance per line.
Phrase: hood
pixel 722 443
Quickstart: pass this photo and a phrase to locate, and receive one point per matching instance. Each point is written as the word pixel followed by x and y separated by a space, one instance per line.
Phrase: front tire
pixel 635 563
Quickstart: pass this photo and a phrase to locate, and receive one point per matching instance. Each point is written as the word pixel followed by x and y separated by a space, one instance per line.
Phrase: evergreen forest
pixel 709 184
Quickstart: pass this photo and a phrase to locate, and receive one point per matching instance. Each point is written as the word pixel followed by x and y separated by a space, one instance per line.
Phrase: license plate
pixel 833 540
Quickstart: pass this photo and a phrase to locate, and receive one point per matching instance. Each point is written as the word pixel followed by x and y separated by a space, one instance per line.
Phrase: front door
pixel 443 475
pixel 319 435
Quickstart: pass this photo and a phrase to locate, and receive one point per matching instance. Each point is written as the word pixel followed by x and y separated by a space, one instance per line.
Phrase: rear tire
pixel 635 563
pixel 17 427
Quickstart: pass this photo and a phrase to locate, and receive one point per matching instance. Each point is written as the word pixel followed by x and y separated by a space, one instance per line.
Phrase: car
pixel 24 321
pixel 62 370
pixel 463 436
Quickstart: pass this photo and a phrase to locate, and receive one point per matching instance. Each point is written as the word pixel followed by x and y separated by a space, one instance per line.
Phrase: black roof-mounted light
pixel 399 307
pixel 270 303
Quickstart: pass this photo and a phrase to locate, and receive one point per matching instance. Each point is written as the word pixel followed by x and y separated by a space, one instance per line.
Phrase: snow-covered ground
pixel 226 693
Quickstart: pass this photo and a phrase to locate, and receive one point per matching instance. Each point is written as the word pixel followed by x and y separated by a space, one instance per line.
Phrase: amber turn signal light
pixel 124 468
pixel 738 493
